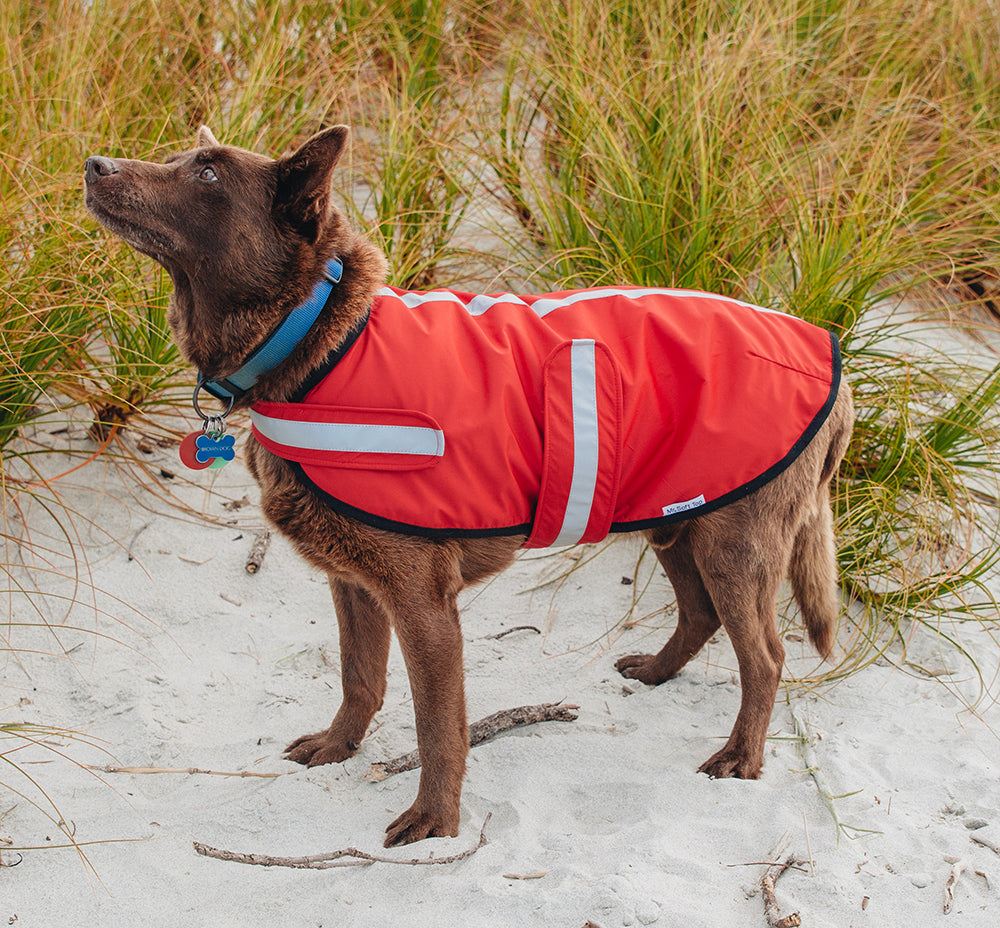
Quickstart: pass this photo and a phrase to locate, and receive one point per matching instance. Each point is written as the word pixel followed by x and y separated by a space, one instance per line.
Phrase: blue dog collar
pixel 278 346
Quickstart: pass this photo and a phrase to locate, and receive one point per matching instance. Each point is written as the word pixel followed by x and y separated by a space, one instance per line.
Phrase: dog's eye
pixel 208 174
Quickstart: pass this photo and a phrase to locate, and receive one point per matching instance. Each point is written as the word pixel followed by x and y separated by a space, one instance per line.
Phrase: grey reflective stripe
pixel 413 300
pixel 586 442
pixel 474 307
pixel 350 437
pixel 542 307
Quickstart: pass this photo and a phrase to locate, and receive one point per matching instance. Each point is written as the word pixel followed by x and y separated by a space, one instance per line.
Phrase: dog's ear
pixel 303 190
pixel 206 139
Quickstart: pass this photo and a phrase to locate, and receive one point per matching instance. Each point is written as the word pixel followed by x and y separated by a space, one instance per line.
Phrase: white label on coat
pixel 682 507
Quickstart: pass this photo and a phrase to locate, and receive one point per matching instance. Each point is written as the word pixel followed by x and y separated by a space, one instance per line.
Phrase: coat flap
pixel 348 437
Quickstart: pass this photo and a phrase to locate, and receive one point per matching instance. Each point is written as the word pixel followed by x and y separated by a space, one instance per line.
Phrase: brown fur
pixel 244 239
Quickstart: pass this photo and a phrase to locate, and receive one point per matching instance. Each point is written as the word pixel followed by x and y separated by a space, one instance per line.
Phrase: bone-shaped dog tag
pixel 201 450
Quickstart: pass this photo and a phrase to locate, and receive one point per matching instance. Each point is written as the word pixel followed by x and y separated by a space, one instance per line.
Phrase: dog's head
pixel 216 207
pixel 242 235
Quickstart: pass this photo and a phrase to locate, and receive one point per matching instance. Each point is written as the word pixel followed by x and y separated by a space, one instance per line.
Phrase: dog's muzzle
pixel 97 166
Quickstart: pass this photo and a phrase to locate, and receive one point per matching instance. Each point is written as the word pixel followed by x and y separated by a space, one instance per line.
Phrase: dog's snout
pixel 97 166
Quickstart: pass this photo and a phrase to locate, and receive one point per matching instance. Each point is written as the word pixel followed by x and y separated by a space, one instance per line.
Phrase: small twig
pixel 506 719
pixel 780 846
pixel 8 842
pixel 257 551
pixel 347 857
pixel 516 628
pixel 986 838
pixel 314 862
pixel 481 731
pixel 770 902
pixel 235 504
pixel 108 768
pixel 801 867
pixel 809 850
pixel 138 532
pixel 957 866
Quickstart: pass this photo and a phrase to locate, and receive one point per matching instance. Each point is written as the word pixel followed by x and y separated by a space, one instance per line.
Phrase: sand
pixel 184 660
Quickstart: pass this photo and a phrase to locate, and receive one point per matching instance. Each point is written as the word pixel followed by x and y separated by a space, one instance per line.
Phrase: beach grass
pixel 833 159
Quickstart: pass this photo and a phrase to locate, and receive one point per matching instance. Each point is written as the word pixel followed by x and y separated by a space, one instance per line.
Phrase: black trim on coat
pixel 402 528
pixel 773 471
pixel 732 496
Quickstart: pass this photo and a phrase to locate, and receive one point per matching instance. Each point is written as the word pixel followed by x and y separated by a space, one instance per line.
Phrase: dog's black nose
pixel 99 167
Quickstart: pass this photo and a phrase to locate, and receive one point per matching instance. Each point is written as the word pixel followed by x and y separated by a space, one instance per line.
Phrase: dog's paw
pixel 642 667
pixel 731 763
pixel 415 825
pixel 320 748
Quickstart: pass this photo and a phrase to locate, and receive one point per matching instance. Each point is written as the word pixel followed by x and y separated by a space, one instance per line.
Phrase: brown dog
pixel 245 239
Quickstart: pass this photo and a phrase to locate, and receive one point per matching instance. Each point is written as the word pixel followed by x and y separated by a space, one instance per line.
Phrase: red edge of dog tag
pixel 189 449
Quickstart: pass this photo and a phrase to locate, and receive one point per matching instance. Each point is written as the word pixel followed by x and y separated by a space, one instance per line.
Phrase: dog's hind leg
pixel 742 561
pixel 697 619
pixel 364 654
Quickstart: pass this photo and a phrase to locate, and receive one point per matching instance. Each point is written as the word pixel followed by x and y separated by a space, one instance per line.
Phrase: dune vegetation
pixel 831 158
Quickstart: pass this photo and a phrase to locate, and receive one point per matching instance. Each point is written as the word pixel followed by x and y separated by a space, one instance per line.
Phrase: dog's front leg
pixel 364 654
pixel 427 626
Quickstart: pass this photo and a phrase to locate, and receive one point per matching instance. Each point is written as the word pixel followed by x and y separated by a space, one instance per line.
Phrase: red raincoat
pixel 563 416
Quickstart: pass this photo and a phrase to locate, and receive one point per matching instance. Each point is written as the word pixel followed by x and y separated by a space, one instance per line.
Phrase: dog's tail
pixel 813 574
pixel 813 568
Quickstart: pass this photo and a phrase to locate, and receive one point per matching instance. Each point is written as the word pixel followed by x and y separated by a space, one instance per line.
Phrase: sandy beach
pixel 883 785
pixel 835 160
